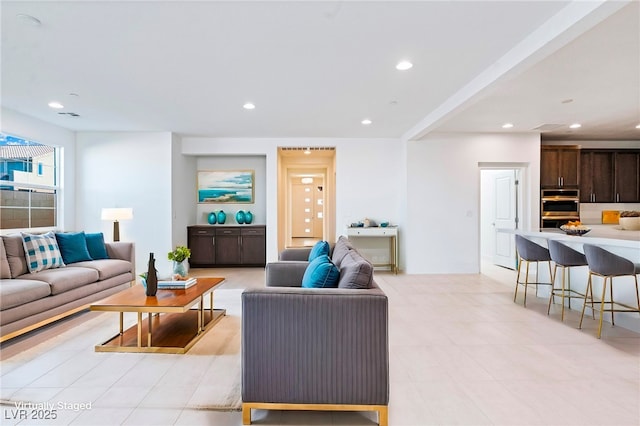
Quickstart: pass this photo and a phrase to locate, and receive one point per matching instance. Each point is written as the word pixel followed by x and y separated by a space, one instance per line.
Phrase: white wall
pixel 369 183
pixel 128 169
pixel 183 192
pixel 443 196
pixel 17 124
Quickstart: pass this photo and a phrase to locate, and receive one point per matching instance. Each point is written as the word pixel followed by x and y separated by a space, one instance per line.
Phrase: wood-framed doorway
pixel 314 219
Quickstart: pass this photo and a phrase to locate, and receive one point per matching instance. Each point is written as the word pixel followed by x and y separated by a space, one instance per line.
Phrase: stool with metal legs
pixel 607 265
pixel 564 257
pixel 528 252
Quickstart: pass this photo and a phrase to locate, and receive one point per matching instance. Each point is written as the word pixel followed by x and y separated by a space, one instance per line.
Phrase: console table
pixel 390 232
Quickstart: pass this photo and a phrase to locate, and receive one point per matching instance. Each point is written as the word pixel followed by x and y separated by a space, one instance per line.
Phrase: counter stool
pixel 528 251
pixel 607 265
pixel 564 257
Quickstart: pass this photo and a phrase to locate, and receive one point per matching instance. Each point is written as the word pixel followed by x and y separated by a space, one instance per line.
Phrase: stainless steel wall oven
pixel 558 206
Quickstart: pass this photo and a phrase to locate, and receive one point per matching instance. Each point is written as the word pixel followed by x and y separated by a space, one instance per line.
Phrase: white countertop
pixel 605 235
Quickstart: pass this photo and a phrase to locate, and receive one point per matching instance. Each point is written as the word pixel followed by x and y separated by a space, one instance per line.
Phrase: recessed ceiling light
pixel 366 121
pixel 56 105
pixel 638 126
pixel 507 125
pixel 575 126
pixel 249 105
pixel 28 19
pixel 404 65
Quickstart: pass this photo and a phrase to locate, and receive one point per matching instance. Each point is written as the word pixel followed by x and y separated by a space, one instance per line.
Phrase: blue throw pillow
pixel 320 248
pixel 321 273
pixel 96 246
pixel 73 247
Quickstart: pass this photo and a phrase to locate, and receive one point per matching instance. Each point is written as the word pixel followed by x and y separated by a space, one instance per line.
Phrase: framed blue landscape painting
pixel 225 186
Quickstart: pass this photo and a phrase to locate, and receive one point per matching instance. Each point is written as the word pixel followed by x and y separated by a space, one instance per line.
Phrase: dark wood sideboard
pixel 227 245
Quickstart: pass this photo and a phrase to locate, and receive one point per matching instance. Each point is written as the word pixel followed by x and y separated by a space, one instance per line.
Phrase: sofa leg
pixel 246 414
pixel 383 416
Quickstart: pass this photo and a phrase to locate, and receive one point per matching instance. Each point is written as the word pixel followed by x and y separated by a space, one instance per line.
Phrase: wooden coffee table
pixel 173 324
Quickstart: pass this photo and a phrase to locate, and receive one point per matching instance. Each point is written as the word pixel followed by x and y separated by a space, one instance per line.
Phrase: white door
pixel 302 209
pixel 505 210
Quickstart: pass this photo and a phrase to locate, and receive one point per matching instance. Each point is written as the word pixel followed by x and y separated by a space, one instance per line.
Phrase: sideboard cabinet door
pixel 201 242
pixel 228 246
pixel 254 246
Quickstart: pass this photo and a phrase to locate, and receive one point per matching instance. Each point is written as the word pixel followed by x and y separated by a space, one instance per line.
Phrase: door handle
pixel 617 197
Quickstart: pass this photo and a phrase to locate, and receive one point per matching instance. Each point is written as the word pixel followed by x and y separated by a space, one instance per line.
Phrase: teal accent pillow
pixel 73 247
pixel 41 251
pixel 320 248
pixel 321 273
pixel 96 246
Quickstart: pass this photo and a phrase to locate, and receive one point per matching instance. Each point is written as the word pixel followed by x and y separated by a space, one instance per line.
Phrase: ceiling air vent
pixel 548 127
pixel 311 148
pixel 70 114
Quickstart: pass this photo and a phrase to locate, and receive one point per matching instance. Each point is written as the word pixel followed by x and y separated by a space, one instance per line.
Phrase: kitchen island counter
pixel 611 238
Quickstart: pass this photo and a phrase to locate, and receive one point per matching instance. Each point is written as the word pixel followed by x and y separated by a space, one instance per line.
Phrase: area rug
pixel 66 369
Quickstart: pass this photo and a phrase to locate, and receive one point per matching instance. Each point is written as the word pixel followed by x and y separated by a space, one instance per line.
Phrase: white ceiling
pixel 316 69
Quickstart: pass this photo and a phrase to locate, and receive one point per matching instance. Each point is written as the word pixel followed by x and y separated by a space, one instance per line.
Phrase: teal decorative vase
pixel 248 217
pixel 212 218
pixel 222 217
pixel 240 217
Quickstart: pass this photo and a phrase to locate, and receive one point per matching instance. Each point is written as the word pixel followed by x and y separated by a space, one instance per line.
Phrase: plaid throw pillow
pixel 42 251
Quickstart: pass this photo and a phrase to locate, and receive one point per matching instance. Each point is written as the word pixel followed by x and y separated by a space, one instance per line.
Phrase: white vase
pixel 181 268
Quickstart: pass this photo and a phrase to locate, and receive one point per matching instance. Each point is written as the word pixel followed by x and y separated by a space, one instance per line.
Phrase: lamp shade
pixel 117 214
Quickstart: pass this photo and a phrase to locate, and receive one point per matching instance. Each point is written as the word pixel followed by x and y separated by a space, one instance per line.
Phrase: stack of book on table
pixel 175 284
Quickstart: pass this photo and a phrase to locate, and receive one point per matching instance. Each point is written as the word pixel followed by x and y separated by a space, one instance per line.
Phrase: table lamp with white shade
pixel 116 215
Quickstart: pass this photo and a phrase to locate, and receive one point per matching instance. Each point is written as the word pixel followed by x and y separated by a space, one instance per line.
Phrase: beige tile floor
pixel 461 353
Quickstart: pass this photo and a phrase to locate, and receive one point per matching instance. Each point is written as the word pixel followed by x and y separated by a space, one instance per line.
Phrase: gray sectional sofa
pixel 31 300
pixel 316 348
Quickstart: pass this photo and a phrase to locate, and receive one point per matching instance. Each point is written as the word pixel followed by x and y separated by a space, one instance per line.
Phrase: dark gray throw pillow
pixel 355 271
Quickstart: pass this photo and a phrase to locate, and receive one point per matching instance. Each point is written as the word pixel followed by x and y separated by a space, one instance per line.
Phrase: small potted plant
pixel 179 256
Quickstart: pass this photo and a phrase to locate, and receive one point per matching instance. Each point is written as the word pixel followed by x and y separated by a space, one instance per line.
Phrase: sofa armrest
pixel 122 250
pixel 315 346
pixel 285 274
pixel 301 254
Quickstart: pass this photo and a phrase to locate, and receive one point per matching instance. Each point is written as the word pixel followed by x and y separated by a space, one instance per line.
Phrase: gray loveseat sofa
pixel 31 300
pixel 316 349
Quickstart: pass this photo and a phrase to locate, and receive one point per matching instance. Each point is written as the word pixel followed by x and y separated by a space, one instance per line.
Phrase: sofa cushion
pixel 65 279
pixel 97 247
pixel 342 247
pixel 41 251
pixel 321 273
pixel 107 268
pixel 320 248
pixel 15 254
pixel 73 247
pixel 17 292
pixel 355 271
pixel 5 272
